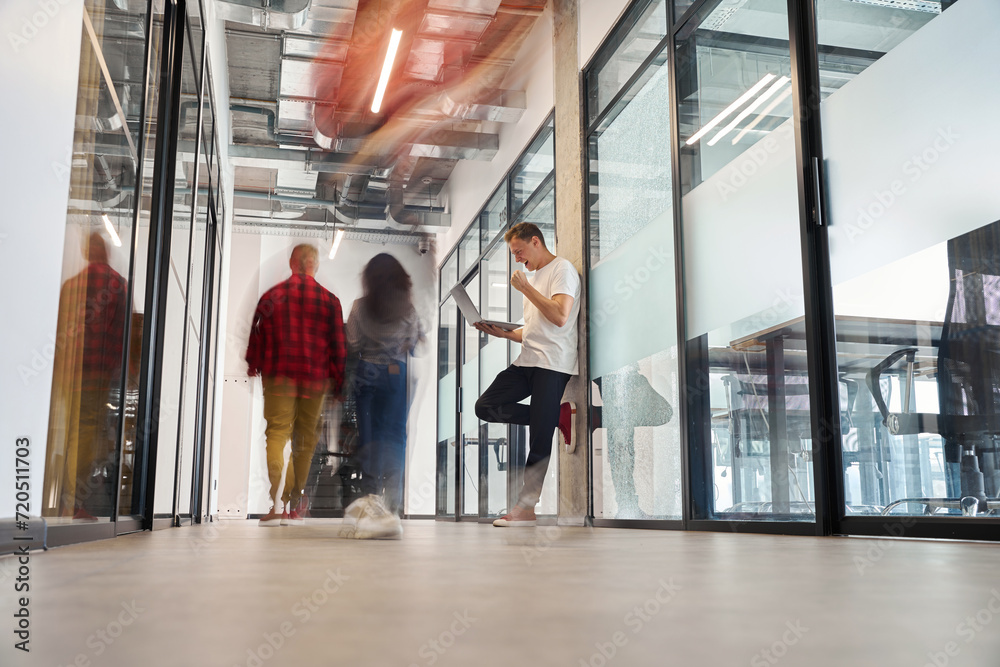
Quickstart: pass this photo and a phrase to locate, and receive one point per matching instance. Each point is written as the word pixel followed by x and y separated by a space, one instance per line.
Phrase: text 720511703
pixel 22 512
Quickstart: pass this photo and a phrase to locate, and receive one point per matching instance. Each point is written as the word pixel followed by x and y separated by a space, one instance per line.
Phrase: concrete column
pixel 570 241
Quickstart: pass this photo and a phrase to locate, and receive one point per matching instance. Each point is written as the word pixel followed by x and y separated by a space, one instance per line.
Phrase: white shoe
pixel 356 509
pixel 377 523
pixel 353 512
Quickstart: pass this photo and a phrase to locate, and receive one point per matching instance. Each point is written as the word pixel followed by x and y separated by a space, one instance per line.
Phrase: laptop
pixel 472 314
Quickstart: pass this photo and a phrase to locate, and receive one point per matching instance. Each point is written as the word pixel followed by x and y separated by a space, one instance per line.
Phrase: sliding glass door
pixel 909 146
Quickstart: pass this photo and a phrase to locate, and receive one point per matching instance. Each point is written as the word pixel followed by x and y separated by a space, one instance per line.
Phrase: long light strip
pixel 762 115
pixel 731 108
pixel 111 230
pixel 337 238
pixel 765 96
pixel 383 80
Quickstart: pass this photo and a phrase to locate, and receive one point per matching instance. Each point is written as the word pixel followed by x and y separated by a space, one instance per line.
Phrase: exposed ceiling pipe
pixel 413 216
pixel 268 113
pixel 318 230
pixel 520 11
pixel 503 106
pixel 309 160
pixel 265 14
pixel 436 215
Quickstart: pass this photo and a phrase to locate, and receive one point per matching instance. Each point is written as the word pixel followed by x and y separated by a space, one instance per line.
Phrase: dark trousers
pixel 380 393
pixel 499 404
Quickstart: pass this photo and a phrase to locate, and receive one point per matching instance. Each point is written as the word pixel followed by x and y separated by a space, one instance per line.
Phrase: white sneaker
pixel 356 509
pixel 377 523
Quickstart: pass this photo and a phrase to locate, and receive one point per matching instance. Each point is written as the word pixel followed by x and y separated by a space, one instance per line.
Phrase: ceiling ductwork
pixel 499 106
pixel 306 160
pixel 302 88
pixel 265 14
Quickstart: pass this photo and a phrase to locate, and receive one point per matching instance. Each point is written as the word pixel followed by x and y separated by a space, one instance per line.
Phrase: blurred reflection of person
pixel 383 330
pixel 82 463
pixel 297 347
pixel 629 402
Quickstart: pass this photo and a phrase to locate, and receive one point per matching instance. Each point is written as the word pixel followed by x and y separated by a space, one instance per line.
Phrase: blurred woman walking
pixel 382 330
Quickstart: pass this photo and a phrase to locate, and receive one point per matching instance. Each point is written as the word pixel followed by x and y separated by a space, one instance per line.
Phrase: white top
pixel 543 344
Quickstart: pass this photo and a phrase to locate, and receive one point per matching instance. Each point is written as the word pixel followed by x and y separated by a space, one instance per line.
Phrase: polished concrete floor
pixel 231 593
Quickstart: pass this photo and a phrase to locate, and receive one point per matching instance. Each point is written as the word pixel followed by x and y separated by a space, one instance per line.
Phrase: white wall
pixel 235 403
pixel 597 17
pixel 472 182
pixel 39 67
pixel 215 34
pixel 259 262
pixel 938 178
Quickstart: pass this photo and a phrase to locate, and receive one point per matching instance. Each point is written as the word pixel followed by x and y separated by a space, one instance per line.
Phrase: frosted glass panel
pixel 921 169
pixel 750 425
pixel 909 146
pixel 636 443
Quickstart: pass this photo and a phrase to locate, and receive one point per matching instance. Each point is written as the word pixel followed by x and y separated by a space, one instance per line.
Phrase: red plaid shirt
pixel 298 334
pixel 92 321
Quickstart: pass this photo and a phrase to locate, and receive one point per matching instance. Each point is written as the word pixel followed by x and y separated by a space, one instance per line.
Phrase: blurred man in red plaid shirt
pixel 297 347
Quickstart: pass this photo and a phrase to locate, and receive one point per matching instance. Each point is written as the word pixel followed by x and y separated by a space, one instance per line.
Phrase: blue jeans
pixel 380 395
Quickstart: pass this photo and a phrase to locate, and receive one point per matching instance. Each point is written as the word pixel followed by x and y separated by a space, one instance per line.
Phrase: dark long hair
pixel 388 289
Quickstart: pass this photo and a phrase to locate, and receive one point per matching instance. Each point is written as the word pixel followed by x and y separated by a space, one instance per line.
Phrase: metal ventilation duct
pixel 266 14
pixel 304 82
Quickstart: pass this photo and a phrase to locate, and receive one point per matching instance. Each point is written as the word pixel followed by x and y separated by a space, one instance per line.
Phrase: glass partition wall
pixel 480 464
pixel 793 271
pixel 635 438
pixel 104 474
pixel 744 322
pixel 914 254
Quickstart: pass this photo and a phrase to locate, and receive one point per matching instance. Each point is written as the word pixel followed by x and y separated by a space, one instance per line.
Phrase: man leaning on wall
pixel 547 361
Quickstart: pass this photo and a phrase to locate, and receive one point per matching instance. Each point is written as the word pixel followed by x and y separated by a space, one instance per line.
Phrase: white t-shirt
pixel 544 345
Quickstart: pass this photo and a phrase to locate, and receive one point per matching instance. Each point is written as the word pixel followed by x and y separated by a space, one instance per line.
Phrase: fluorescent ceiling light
pixel 762 115
pixel 780 83
pixel 337 238
pixel 731 108
pixel 111 230
pixel 383 80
